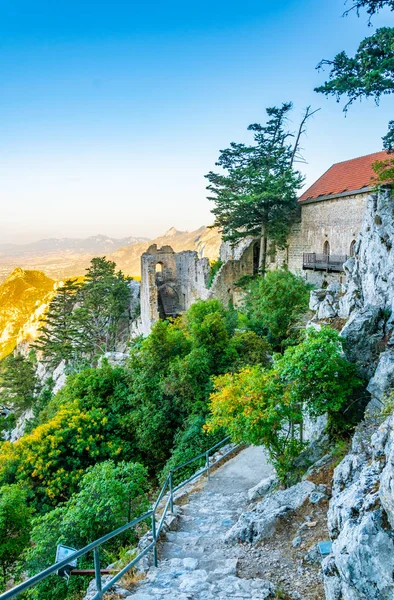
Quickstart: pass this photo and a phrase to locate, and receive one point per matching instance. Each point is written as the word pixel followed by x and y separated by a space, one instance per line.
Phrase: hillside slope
pixel 23 296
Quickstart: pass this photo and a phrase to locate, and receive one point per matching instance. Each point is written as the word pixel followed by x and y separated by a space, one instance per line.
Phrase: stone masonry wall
pixel 337 221
pixel 181 273
pixel 224 285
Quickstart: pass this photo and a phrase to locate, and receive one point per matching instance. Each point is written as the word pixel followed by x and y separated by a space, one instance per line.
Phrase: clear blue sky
pixel 112 112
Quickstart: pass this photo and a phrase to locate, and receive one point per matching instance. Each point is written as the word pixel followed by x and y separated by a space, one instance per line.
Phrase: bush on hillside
pixel 190 442
pixel 15 525
pixel 274 305
pixel 266 406
pixel 109 495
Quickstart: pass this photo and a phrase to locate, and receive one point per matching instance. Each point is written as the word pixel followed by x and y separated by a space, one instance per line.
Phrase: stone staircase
pixel 195 563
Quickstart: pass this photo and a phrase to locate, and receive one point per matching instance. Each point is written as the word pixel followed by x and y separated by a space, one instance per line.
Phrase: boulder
pixel 262 488
pixel 260 522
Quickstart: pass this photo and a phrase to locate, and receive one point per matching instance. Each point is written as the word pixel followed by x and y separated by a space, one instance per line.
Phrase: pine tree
pixel 367 74
pixel 103 305
pixel 59 333
pixel 19 384
pixel 257 194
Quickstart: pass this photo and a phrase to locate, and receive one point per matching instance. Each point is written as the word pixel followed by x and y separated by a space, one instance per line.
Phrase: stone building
pixel 170 283
pixel 319 243
pixel 332 212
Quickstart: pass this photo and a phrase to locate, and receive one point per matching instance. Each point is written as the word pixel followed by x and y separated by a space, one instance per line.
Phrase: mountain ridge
pixel 64 258
pixel 23 298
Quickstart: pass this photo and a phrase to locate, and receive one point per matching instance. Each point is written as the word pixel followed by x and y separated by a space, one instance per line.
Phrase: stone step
pixel 195 564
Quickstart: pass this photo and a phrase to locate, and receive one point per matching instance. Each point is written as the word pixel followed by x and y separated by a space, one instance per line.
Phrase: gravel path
pixel 195 563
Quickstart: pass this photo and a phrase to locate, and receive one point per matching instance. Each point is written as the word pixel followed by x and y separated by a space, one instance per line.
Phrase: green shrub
pixel 15 525
pixel 190 442
pixel 215 266
pixel 274 305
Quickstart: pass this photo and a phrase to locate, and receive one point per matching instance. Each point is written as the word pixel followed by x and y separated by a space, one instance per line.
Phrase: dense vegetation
pixel 98 448
pixel 83 320
pixel 267 406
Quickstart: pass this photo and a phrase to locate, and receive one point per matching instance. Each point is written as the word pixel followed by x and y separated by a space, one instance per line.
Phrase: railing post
pixel 207 464
pixel 154 539
pixel 171 495
pixel 97 569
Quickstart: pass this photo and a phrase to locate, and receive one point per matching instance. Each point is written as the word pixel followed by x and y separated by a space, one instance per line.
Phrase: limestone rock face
pixel 383 378
pixel 262 488
pixel 367 298
pixel 361 514
pixel 260 522
pixel 363 333
pixel 360 520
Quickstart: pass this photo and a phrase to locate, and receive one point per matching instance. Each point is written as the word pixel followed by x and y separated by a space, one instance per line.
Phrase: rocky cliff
pixel 361 513
pixel 23 298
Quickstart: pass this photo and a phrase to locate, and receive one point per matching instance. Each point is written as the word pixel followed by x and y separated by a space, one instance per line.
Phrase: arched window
pixel 326 248
pixel 159 271
pixel 352 246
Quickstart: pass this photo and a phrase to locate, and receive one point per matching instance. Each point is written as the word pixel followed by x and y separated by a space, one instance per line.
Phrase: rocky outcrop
pixel 366 300
pixel 361 514
pixel 361 518
pixel 261 521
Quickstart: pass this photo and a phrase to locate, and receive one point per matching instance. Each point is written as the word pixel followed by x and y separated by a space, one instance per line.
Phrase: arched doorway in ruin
pixel 168 301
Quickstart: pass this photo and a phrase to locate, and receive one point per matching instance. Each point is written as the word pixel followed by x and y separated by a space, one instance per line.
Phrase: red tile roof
pixel 347 176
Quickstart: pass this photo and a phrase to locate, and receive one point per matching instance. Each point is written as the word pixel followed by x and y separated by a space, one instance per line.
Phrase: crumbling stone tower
pixel 170 283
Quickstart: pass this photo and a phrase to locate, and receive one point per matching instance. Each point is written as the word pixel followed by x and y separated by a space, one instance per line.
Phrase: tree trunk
pixel 263 251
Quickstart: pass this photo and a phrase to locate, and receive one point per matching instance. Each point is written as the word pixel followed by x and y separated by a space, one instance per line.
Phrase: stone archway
pixel 168 300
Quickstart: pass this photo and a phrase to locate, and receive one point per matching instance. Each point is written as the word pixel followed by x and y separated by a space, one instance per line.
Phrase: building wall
pixel 337 221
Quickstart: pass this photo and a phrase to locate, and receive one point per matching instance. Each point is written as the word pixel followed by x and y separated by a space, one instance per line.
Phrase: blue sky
pixel 112 112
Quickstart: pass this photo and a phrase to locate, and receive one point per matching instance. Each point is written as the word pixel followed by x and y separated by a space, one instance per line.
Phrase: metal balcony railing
pixel 323 262
pixel 167 490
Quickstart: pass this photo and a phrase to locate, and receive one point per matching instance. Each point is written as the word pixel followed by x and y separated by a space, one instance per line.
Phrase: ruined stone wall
pixel 182 273
pixel 224 285
pixel 191 277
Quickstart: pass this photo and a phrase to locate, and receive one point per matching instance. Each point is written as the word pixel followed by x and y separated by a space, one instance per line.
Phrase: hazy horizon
pixel 112 113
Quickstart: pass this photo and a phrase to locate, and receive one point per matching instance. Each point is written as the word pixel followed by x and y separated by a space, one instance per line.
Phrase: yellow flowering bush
pixel 52 458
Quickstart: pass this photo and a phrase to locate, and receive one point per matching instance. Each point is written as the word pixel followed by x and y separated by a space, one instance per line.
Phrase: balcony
pixel 324 262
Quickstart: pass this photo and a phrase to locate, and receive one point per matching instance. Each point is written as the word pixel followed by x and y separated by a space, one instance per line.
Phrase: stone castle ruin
pixel 170 283
pixel 319 244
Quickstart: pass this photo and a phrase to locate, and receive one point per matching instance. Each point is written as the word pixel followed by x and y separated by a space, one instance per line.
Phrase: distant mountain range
pixel 23 298
pixel 25 290
pixel 68 257
pixel 90 245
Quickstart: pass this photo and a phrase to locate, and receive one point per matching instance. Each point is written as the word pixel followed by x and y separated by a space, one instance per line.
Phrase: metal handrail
pixel 156 529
